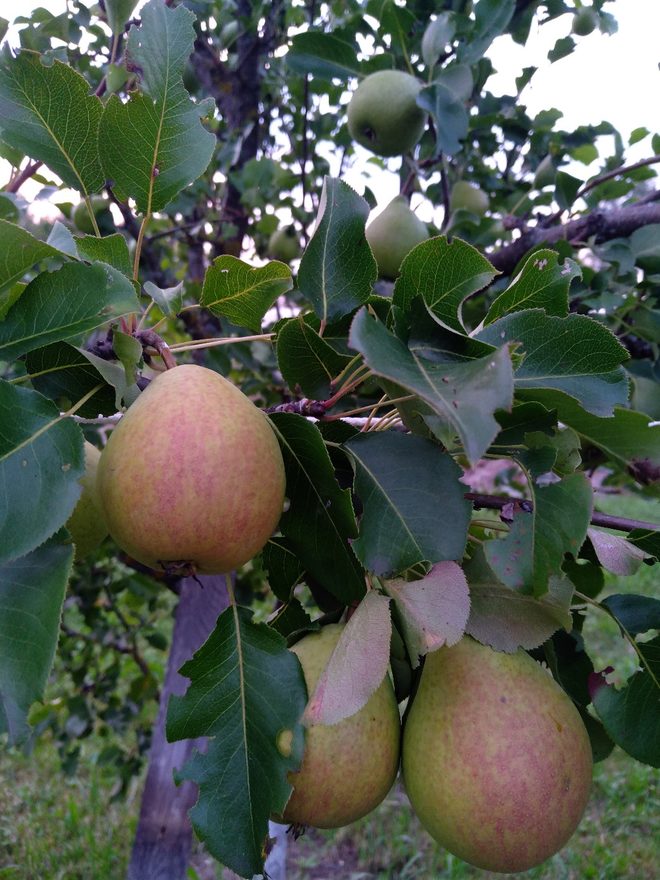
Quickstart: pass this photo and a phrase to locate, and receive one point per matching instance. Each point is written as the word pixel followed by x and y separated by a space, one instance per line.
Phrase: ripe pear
pixel 496 759
pixel 393 234
pixel 284 244
pixel 466 196
pixel 192 478
pixel 87 524
pixel 348 768
pixel 383 115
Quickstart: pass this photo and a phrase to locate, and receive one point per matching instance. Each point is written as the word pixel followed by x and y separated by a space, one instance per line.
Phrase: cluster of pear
pixel 496 760
pixel 191 480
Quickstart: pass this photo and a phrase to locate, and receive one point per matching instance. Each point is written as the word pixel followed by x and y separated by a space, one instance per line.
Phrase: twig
pixel 18 181
pixel 624 169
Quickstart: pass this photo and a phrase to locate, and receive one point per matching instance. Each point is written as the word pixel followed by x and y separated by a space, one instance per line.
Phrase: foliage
pixel 518 350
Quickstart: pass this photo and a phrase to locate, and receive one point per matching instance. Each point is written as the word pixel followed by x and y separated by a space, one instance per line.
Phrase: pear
pixel 101 210
pixel 348 768
pixel 393 234
pixel 585 21
pixel 496 759
pixel 383 114
pixel 87 524
pixel 192 478
pixel 466 196
pixel 284 244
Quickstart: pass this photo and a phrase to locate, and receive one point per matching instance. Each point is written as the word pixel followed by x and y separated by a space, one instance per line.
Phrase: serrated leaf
pixel 291 620
pixel 631 715
pixel 60 372
pixel 323 55
pixel 64 304
pixel 41 460
pixel 61 237
pixel 444 274
pixel 245 690
pixel 433 611
pixel 283 567
pixel 466 394
pixel 19 251
pixel 320 518
pixel 357 665
pixel 542 283
pixel 48 113
pixel 306 359
pixel 173 148
pixel 31 596
pixel 240 292
pixel 168 299
pixel 576 355
pixel 507 619
pixel 338 270
pixel 534 549
pixel 615 553
pixel 414 508
pixel 111 249
pixel 449 115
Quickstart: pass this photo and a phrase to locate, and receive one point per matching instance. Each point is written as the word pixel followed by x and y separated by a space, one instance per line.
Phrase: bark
pixel 163 840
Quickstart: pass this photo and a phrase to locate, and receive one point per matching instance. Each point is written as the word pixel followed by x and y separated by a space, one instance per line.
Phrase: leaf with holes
pixel 246 690
pixel 241 293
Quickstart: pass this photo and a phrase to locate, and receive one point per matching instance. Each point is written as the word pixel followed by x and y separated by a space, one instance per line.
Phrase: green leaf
pixel 306 359
pixel 49 114
pixel 566 189
pixel 563 47
pixel 41 460
pixel 63 304
pixel 357 666
pixel 631 715
pixel 433 611
pixel 173 148
pixel 449 116
pixel 534 549
pixel 31 596
pixel 241 293
pixel 323 55
pixel 616 554
pixel 338 270
pixel 129 352
pixel 168 299
pixel 444 274
pixel 283 567
pixel 492 18
pixel 119 12
pixel 320 517
pixel 60 372
pixel 246 689
pixel 399 23
pixel 19 251
pixel 576 355
pixel 414 509
pixel 541 284
pixel 111 249
pixel 505 618
pixel 438 33
pixel 628 437
pixel 465 394
pixel 292 620
pixel 635 614
pixel 8 208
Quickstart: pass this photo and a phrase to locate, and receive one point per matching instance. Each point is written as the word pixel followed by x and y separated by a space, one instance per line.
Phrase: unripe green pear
pixel 348 768
pixel 585 21
pixel 466 196
pixel 192 477
pixel 284 244
pixel 83 222
pixel 87 524
pixel 496 759
pixel 393 234
pixel 383 115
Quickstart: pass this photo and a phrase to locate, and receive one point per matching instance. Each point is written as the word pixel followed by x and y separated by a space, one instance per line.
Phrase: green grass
pixel 58 828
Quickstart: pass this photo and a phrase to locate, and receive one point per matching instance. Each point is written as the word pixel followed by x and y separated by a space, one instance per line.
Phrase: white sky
pixel 614 78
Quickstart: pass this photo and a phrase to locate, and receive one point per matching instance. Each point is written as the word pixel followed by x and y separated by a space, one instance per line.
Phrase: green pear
pixel 87 524
pixel 466 196
pixel 284 244
pixel 383 114
pixel 496 759
pixel 585 21
pixel 393 234
pixel 192 478
pixel 348 768
pixel 83 222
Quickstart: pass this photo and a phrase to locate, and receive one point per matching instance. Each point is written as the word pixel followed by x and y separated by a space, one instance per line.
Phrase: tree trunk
pixel 163 840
